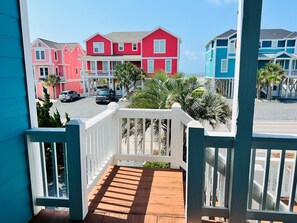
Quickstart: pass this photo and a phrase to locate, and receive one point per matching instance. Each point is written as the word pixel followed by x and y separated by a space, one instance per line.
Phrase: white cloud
pixel 221 2
pixel 192 55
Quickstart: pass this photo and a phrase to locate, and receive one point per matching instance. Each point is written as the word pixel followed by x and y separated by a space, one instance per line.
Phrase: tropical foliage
pixel 127 74
pixel 268 76
pixel 161 92
pixel 52 80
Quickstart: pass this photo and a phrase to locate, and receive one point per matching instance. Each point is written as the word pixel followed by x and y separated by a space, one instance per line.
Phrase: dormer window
pixel 121 46
pixel 98 47
pixel 134 46
pixel 160 46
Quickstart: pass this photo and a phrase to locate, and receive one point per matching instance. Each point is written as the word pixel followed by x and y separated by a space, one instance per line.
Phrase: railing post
pixel 176 136
pixel 248 32
pixel 76 156
pixel 195 172
pixel 114 134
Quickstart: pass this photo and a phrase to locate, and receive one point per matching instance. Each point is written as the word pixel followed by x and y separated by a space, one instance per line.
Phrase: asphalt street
pixel 269 116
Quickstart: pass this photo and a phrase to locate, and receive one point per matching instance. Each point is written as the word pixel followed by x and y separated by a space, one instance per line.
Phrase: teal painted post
pixel 249 18
pixel 76 156
pixel 195 172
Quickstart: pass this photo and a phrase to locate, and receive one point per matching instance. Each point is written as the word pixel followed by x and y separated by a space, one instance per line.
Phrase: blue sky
pixel 195 21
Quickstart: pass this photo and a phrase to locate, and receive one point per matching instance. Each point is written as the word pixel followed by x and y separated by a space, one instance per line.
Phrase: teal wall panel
pixel 16 204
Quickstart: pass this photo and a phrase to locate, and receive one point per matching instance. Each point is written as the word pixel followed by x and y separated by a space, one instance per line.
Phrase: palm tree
pixel 52 80
pixel 126 74
pixel 161 92
pixel 273 75
pixel 260 81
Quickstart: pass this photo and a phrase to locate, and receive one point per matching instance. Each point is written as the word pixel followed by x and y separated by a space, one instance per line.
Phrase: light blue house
pixel 275 45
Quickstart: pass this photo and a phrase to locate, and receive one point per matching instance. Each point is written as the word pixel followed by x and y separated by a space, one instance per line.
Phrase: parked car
pixel 68 96
pixel 105 95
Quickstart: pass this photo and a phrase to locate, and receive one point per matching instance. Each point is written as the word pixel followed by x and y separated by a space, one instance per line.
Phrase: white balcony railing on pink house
pixel 168 135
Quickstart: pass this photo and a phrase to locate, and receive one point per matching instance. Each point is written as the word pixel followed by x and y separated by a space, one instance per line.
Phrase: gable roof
pixel 126 36
pixel 226 34
pixel 164 31
pixel 56 45
pixel 274 33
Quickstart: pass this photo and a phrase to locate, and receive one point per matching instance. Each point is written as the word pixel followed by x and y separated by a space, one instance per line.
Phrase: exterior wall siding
pixel 159 64
pixel 148 44
pixel 14 115
pixel 127 49
pixel 99 38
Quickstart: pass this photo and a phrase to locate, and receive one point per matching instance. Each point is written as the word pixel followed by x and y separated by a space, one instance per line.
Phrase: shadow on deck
pixel 131 194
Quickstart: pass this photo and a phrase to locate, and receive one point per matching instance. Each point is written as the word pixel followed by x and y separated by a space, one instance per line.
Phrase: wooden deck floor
pixel 129 194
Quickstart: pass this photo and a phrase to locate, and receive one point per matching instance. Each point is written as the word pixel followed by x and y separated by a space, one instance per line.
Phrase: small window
pixel 232 46
pixel 39 44
pixel 98 47
pixel 224 66
pixel 290 43
pixel 76 71
pixel 134 46
pixel 43 71
pixel 57 71
pixel 150 66
pixel 222 42
pixel 168 66
pixel 37 55
pixel 42 55
pixel 281 43
pixel 159 46
pixel 121 46
pixel 56 55
pixel 266 44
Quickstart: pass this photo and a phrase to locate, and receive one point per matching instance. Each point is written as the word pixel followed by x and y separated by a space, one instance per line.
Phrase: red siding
pixel 99 38
pixel 159 64
pixel 171 44
pixel 127 49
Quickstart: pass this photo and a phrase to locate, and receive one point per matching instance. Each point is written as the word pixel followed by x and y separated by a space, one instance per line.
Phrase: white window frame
pixel 43 70
pixel 224 65
pixel 56 55
pixel 150 66
pixel 136 47
pixel 168 69
pixel 232 46
pixel 98 47
pixel 93 64
pixel 157 45
pixel 105 65
pixel 40 53
pixel 121 46
pixel 57 71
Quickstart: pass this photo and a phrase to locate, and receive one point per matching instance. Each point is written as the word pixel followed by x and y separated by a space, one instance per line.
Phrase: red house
pixel 60 59
pixel 152 51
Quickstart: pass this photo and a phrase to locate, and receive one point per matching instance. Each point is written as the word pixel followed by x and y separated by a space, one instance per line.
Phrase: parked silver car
pixel 68 96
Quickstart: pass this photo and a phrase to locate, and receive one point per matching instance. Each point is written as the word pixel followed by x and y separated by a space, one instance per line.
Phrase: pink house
pixel 60 59
pixel 152 51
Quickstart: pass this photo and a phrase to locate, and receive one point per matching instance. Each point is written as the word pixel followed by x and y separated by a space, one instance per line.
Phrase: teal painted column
pixel 76 156
pixel 248 31
pixel 195 172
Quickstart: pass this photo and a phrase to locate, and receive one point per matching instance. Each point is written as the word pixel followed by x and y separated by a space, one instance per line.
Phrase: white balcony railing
pixel 161 135
pixel 99 73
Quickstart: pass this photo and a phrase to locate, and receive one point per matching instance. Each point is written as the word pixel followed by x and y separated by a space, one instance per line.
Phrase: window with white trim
pixel 224 65
pixel 232 46
pixel 168 66
pixel 134 46
pixel 98 47
pixel 105 65
pixel 56 55
pixel 43 71
pixel 150 66
pixel 93 66
pixel 39 55
pixel 160 46
pixel 57 71
pixel 121 46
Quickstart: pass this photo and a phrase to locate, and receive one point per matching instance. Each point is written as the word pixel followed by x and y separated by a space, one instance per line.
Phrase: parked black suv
pixel 105 95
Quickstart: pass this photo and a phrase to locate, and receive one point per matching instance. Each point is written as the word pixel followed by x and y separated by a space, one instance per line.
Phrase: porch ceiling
pixel 112 58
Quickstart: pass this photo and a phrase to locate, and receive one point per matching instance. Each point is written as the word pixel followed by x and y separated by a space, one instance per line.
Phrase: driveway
pixel 270 116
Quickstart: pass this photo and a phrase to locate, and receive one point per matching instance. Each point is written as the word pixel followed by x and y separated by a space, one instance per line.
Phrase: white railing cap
pixel 113 106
